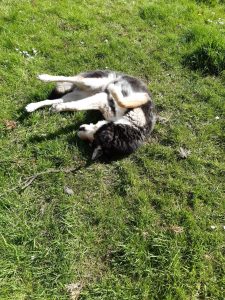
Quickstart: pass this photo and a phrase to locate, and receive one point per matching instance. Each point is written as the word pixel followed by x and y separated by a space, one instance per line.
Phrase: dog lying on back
pixel 124 101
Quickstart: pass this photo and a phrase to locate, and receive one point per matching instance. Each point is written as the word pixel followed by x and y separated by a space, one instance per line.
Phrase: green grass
pixel 207 52
pixel 138 228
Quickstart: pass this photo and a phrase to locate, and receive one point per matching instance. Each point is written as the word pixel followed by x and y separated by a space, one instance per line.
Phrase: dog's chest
pixel 137 117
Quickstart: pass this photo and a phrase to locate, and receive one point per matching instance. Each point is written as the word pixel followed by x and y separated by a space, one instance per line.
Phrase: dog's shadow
pixel 90 117
pixel 69 131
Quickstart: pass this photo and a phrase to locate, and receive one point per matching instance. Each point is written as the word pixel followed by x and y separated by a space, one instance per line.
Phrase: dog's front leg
pixel 35 105
pixel 132 101
pixel 96 102
pixel 86 83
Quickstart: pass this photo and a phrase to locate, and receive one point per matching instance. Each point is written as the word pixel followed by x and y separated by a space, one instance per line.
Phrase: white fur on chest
pixel 137 117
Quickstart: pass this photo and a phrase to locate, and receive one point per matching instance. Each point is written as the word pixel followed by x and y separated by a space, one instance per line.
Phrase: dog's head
pixel 112 140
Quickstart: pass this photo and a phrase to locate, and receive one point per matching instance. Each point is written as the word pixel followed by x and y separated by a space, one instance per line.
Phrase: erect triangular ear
pixel 97 153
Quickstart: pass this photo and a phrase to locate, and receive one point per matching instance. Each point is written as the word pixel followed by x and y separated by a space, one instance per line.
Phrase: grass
pixel 138 228
pixel 207 53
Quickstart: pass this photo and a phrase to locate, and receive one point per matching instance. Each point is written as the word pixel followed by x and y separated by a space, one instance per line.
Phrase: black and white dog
pixel 124 101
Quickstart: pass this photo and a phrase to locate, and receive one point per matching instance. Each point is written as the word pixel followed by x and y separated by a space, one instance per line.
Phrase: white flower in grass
pixel 183 153
pixel 68 190
pixel 27 54
pixel 34 51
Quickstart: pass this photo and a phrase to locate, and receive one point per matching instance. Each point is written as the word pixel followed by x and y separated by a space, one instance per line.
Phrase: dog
pixel 124 101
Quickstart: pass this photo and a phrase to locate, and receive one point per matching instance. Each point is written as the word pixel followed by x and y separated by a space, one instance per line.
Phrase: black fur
pixel 137 85
pixel 111 101
pixel 116 139
pixel 96 74
pixel 112 104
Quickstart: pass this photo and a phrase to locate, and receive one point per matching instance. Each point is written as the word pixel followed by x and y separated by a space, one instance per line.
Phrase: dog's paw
pixel 31 107
pixel 60 89
pixel 44 77
pixel 57 107
pixel 111 87
pixel 114 90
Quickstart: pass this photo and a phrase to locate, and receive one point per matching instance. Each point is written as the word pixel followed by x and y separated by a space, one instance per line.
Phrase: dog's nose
pixel 82 128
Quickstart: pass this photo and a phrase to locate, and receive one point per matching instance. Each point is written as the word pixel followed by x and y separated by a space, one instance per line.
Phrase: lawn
pixel 149 226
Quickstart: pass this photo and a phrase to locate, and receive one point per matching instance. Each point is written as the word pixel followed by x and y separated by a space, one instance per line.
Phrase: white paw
pixel 44 77
pixel 31 107
pixel 57 107
pixel 60 89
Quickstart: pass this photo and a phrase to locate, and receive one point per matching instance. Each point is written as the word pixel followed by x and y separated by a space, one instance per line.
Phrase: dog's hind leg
pixel 86 83
pixel 52 78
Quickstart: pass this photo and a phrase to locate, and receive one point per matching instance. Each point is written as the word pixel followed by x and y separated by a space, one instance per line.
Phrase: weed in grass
pixel 210 2
pixel 154 13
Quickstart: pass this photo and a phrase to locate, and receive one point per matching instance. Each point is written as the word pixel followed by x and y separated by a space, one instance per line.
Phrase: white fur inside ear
pixel 97 153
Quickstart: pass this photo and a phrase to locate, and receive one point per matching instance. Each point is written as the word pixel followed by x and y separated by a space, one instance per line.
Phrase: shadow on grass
pixel 73 140
pixel 90 117
pixel 69 130
pixel 23 115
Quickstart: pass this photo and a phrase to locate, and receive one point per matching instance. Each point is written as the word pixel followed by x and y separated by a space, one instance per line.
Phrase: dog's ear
pixel 97 153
